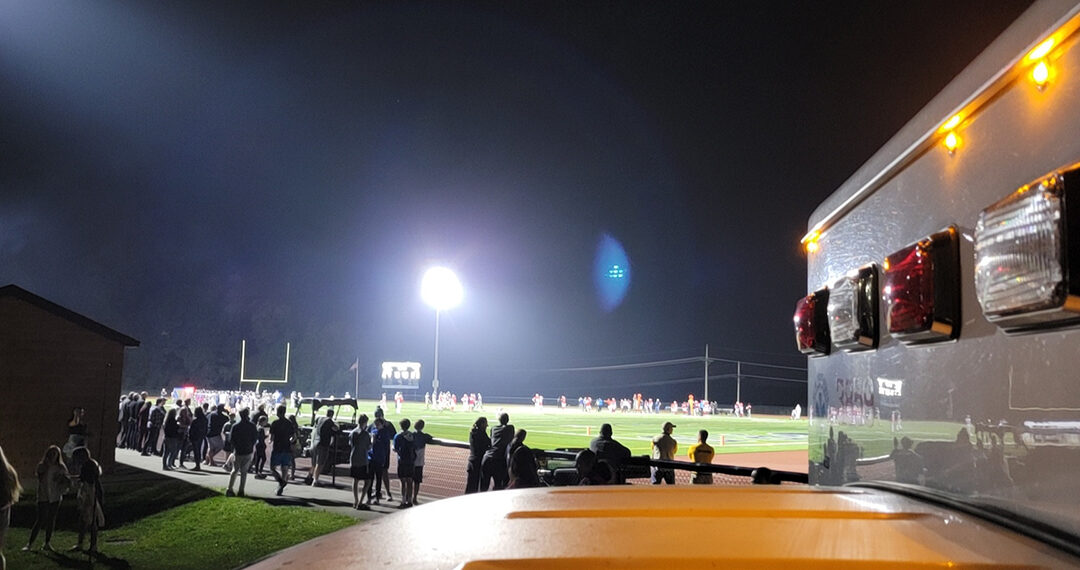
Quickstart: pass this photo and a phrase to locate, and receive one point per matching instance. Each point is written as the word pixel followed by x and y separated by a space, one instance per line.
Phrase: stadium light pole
pixel 441 290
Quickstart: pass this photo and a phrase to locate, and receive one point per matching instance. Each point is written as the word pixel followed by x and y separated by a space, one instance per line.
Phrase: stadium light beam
pixel 441 290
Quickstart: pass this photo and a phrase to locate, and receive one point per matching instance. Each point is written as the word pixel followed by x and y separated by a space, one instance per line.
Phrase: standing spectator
pixel 260 414
pixel 134 404
pixel 360 445
pixel 420 441
pixel 322 439
pixel 77 431
pixel 171 427
pixel 664 448
pixel 243 439
pixel 9 495
pixel 52 479
pixel 260 447
pixel 184 417
pixel 908 464
pixel 375 457
pixel 124 417
pixel 406 463
pixel 297 447
pixel 154 422
pixel 282 435
pixel 90 499
pixel 608 449
pixel 143 424
pixel 479 442
pixel 197 435
pixel 522 464
pixel 229 449
pixel 381 440
pixel 215 433
pixel 702 452
pixel 493 466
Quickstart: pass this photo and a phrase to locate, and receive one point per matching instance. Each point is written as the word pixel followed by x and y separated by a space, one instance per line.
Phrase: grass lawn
pixel 553 428
pixel 154 521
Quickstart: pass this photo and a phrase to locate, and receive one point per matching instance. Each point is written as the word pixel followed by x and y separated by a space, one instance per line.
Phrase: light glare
pixel 1040 74
pixel 1041 50
pixel 951 142
pixel 440 289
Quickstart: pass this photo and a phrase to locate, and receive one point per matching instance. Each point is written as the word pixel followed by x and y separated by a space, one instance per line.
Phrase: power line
pixel 759 377
pixel 653 364
pixel 689 379
pixel 746 363
pixel 672 362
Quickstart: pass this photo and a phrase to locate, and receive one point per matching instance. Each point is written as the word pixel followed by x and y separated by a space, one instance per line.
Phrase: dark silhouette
pixel 479 442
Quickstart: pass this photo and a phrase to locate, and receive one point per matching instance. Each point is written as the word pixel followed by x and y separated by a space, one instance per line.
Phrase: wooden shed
pixel 53 359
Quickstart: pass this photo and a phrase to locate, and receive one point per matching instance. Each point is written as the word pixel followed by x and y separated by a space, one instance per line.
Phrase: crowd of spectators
pixel 233 427
pixel 499 459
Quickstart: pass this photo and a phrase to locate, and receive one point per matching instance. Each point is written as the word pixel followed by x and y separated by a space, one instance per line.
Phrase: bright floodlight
pixel 441 289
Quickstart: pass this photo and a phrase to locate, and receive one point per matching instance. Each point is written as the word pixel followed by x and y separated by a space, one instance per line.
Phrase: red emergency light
pixel 921 289
pixel 812 323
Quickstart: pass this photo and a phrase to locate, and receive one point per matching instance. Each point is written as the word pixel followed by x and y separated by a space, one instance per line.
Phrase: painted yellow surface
pixel 677 527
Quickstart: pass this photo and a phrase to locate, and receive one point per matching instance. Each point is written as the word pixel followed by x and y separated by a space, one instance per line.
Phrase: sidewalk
pixel 336 499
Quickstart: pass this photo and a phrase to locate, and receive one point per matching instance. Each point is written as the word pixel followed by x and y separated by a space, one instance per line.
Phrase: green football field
pixel 552 428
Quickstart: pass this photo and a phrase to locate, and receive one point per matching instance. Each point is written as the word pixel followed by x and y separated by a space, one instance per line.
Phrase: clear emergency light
pixel 812 323
pixel 853 310
pixel 1022 255
pixel 921 289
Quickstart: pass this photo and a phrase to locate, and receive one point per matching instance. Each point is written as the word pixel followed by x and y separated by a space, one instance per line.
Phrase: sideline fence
pixel 444 470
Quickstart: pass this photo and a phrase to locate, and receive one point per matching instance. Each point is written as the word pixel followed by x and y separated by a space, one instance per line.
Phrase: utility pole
pixel 435 381
pixel 706 372
pixel 738 381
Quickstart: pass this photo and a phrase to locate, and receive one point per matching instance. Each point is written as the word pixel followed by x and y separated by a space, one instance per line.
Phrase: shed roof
pixel 85 322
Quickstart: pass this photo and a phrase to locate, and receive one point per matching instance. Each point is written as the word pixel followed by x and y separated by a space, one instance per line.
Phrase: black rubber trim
pixel 1020 524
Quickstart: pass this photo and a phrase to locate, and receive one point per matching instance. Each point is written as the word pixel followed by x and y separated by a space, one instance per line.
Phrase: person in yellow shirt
pixel 702 452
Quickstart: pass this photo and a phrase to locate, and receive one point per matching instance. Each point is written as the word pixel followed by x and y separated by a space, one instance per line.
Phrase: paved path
pixel 337 499
pixel 444 476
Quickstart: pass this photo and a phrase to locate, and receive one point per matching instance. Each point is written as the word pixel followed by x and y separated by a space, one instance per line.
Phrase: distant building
pixel 53 359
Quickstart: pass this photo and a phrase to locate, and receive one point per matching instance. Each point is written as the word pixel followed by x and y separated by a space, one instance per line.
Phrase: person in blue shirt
pixel 382 434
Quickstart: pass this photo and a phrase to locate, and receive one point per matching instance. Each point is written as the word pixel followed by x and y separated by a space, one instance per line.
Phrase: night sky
pixel 193 175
